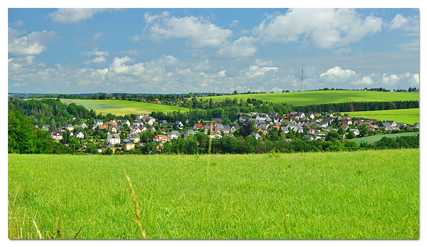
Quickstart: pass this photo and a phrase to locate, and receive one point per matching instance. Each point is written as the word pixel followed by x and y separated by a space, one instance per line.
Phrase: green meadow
pixel 372 139
pixel 122 107
pixel 409 116
pixel 323 97
pixel 346 195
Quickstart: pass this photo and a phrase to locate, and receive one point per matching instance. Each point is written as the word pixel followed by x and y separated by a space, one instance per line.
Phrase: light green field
pixel 117 106
pixel 408 116
pixel 349 195
pixel 372 139
pixel 323 97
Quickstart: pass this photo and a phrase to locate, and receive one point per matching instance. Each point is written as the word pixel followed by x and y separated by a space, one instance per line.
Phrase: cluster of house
pixel 317 124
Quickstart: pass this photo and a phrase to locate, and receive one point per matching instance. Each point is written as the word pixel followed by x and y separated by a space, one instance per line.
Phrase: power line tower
pixel 302 79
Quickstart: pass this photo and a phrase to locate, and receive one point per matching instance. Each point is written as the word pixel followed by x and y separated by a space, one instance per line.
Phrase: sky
pixel 182 50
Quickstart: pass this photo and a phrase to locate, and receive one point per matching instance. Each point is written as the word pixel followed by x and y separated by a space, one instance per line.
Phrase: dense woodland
pixel 23 137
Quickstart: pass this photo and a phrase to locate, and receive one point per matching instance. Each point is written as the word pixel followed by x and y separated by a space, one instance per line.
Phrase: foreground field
pixel 409 116
pixel 323 97
pixel 122 107
pixel 357 195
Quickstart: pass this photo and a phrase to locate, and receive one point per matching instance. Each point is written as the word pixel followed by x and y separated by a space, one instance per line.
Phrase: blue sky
pixel 177 50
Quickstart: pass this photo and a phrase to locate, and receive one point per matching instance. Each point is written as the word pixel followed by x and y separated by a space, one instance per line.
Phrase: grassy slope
pixel 357 195
pixel 371 139
pixel 409 116
pixel 324 97
pixel 104 106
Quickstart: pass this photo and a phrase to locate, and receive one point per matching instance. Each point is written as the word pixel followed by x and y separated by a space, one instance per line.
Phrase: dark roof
pixel 107 145
pixel 127 141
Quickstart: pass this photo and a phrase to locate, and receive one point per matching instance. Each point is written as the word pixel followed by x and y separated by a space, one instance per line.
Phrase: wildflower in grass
pixel 287 215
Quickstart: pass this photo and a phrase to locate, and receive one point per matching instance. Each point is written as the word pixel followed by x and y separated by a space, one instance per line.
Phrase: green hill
pixel 323 97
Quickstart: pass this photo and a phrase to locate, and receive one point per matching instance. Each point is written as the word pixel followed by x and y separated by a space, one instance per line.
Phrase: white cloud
pixel 337 74
pixel 73 15
pixel 326 28
pixel 414 80
pixel 149 18
pixel 242 47
pixel 261 62
pixel 255 71
pixel 19 85
pixel 95 52
pixel 118 66
pixel 96 60
pixel 276 89
pixel 234 23
pixel 198 31
pixel 366 80
pixel 32 44
pixel 390 80
pixel 18 23
pixel 407 24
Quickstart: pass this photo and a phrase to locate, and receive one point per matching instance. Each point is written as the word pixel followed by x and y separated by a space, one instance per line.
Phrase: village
pixel 123 135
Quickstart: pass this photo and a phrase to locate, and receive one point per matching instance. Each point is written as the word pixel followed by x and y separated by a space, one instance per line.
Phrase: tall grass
pixel 354 195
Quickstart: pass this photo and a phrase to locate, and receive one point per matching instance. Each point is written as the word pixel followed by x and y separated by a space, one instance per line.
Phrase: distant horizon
pixel 243 92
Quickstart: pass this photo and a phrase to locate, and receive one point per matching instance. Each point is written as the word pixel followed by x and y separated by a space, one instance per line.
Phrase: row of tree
pixel 201 144
pixel 357 106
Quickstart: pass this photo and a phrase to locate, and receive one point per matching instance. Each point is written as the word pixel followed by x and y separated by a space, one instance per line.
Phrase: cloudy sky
pixel 181 50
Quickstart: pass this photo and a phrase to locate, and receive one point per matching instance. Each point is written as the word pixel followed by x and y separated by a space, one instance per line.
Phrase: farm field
pixel 347 195
pixel 121 107
pixel 372 139
pixel 409 116
pixel 323 97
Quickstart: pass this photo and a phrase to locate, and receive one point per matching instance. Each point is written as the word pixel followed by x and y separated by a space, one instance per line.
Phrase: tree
pixel 351 135
pixel 363 129
pixel 332 135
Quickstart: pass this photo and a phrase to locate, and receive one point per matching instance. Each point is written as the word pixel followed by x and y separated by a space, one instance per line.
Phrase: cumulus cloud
pixel 337 74
pixel 366 80
pixel 325 28
pixel 243 47
pixel 96 60
pixel 390 80
pixel 276 89
pixel 73 15
pixel 198 31
pixel 32 44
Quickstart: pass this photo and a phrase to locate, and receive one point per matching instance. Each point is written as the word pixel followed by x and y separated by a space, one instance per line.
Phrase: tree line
pixel 358 106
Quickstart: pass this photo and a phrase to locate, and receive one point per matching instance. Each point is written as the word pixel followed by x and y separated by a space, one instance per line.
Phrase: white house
pixel 113 138
pixel 83 125
pixel 174 134
pixel 355 131
pixel 79 134
pixel 179 124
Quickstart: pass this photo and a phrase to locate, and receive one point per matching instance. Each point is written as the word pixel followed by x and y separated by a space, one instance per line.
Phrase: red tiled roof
pixel 161 137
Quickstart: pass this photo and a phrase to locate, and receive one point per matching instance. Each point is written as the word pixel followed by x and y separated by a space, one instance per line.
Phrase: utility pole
pixel 302 78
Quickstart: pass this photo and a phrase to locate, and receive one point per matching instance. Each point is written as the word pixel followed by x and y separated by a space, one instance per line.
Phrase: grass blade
pixel 135 203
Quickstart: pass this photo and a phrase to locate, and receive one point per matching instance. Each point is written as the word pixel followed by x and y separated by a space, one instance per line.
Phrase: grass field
pixel 372 139
pixel 349 195
pixel 323 97
pixel 409 116
pixel 122 107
